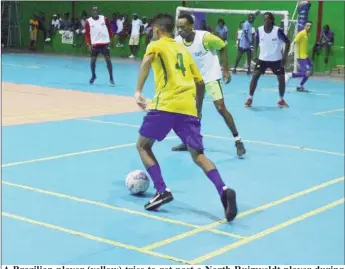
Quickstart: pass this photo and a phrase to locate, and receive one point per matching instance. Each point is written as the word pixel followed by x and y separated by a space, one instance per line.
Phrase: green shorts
pixel 215 89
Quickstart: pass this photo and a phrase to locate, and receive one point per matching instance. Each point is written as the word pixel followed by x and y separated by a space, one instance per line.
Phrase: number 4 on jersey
pixel 180 64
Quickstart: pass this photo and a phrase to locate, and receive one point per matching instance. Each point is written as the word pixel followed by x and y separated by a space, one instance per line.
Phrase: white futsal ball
pixel 137 182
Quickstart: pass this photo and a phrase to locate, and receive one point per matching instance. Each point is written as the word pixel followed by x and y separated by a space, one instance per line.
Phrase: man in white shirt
pixel 135 34
pixel 203 47
pixel 98 37
pixel 270 40
pixel 119 33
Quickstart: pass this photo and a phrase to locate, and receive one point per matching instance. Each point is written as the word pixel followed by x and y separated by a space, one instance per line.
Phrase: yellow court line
pixel 229 138
pixel 116 208
pixel 74 154
pixel 241 215
pixel 94 238
pixel 266 232
pixel 329 111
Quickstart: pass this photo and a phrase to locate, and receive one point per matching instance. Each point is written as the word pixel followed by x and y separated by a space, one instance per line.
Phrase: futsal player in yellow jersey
pixel 305 65
pixel 175 106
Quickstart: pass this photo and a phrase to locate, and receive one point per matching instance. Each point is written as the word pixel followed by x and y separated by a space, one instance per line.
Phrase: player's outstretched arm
pixel 143 74
pixel 212 42
pixel 87 35
pixel 200 94
pixel 256 43
pixel 297 39
pixel 199 82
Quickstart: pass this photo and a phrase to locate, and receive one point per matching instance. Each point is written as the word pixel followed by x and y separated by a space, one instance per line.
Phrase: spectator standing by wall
pixel 222 30
pixel 136 29
pixel 120 30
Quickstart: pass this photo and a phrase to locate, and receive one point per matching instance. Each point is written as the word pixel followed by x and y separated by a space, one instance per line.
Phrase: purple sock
pixel 298 75
pixel 156 176
pixel 304 80
pixel 214 176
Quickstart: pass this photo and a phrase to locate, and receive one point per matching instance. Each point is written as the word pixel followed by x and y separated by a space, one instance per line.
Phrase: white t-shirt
pixel 270 45
pixel 82 22
pixel 119 24
pixel 136 24
pixel 56 23
pixel 207 61
pixel 239 34
pixel 99 33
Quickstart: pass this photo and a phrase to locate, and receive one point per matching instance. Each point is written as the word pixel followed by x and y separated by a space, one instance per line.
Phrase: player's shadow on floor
pixel 185 207
pixel 263 108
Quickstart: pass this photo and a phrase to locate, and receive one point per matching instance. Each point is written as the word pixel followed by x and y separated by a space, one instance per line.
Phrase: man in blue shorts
pixel 176 106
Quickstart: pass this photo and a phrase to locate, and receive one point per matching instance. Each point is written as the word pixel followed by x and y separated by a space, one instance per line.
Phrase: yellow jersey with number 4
pixel 175 75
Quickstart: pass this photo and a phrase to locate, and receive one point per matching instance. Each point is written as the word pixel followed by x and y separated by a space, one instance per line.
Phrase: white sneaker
pixel 131 56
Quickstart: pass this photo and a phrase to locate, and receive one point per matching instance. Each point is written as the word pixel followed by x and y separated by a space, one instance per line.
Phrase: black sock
pixel 110 69
pixel 93 68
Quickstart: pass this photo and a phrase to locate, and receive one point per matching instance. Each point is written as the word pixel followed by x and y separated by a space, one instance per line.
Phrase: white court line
pixel 74 154
pixel 228 138
pixel 23 66
pixel 291 90
pixel 329 111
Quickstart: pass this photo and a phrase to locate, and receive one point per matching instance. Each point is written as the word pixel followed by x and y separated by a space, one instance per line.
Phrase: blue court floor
pixel 64 198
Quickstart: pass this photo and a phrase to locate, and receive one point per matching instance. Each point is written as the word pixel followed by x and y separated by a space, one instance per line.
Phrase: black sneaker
pixel 181 147
pixel 229 204
pixel 159 199
pixel 92 80
pixel 240 148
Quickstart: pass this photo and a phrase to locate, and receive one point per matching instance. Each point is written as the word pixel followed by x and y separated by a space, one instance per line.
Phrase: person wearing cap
pixel 137 26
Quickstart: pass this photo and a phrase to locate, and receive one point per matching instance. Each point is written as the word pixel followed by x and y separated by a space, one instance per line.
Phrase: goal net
pixel 233 19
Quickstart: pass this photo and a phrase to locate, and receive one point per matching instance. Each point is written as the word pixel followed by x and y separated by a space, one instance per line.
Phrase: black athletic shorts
pixel 104 49
pixel 243 50
pixel 276 67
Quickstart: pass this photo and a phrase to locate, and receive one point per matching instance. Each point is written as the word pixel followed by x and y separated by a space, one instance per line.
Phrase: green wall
pixel 333 14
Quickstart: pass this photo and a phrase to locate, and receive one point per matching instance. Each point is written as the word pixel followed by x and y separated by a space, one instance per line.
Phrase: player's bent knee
pixel 195 156
pixel 144 144
pixel 221 108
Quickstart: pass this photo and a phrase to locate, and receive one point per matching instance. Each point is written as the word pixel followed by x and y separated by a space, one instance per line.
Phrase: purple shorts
pixel 304 65
pixel 157 125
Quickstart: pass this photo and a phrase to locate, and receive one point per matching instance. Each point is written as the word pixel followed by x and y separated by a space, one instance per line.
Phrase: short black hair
pixel 270 15
pixel 188 17
pixel 221 20
pixel 164 21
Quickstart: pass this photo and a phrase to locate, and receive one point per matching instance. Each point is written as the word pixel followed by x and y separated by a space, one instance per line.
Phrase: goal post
pixel 284 14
